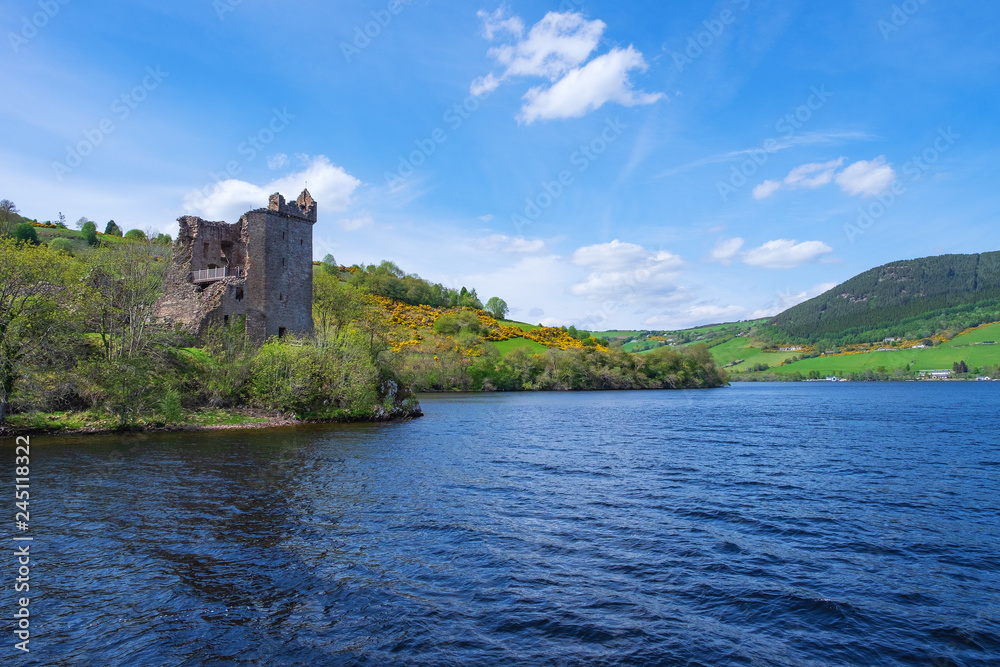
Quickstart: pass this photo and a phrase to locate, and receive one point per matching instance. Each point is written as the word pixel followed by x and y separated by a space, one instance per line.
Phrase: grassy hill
pixel 912 299
pixel 968 347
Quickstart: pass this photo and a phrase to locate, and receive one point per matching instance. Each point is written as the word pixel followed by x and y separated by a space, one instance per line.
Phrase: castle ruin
pixel 259 268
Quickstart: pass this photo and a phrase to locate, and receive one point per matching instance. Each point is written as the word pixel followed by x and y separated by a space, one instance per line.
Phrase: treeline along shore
pixel 82 350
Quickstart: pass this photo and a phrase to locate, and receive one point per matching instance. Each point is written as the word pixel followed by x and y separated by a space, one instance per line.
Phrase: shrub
pixel 61 245
pixel 25 233
pixel 170 406
pixel 451 324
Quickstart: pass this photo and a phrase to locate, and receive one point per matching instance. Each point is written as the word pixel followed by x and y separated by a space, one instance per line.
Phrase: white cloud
pixel 785 254
pixel 766 189
pixel 813 175
pixel 329 184
pixel 484 85
pixel 278 161
pixel 499 22
pixel 726 250
pixel 788 299
pixel 867 178
pixel 353 224
pixel 625 271
pixel 517 245
pixel 557 48
pixel 554 45
pixel 604 79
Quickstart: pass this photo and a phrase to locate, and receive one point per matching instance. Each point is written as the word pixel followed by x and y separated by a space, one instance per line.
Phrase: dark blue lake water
pixel 799 524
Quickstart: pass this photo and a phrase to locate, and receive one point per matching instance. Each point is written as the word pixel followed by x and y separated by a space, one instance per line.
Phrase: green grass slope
pixel 943 357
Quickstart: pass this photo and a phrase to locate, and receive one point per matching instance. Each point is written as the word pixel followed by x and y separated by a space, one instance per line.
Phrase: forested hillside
pixel 911 299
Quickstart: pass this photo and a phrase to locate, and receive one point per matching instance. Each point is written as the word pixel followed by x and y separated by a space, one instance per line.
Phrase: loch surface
pixel 762 524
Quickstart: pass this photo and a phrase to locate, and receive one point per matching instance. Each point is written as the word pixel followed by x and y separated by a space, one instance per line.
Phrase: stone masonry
pixel 259 268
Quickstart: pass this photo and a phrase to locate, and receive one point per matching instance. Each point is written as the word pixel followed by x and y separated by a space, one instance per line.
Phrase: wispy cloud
pixel 558 48
pixel 773 146
pixel 867 178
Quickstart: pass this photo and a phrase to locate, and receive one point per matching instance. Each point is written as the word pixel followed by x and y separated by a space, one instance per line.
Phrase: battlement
pixel 303 208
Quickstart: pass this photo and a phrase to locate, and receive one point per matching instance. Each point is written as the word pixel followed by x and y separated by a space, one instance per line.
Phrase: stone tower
pixel 259 268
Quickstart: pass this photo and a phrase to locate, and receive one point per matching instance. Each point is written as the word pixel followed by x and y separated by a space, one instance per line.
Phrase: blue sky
pixel 609 165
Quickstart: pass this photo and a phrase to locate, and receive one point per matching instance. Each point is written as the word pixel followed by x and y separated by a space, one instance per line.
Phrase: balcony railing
pixel 211 275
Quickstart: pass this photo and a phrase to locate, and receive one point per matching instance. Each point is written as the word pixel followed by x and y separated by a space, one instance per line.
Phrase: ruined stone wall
pixel 272 247
pixel 201 245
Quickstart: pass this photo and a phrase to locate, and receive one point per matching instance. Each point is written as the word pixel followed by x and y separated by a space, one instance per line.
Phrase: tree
pixel 497 307
pixel 135 235
pixel 62 221
pixel 334 305
pixel 24 233
pixel 89 230
pixel 163 239
pixel 960 367
pixel 330 264
pixel 61 245
pixel 127 279
pixel 83 221
pixel 9 217
pixel 112 229
pixel 30 284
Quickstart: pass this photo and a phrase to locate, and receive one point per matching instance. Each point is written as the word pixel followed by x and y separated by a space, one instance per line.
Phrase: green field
pixel 46 234
pixel 615 334
pixel 742 348
pixel 506 346
pixel 523 326
pixel 943 357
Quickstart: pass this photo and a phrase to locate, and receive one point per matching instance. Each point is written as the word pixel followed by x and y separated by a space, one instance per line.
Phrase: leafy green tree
pixel 61 245
pixel 9 217
pixel 330 264
pixel 163 239
pixel 497 307
pixel 26 234
pixel 61 224
pixel 30 286
pixel 335 304
pixel 126 280
pixel 83 221
pixel 135 235
pixel 112 229
pixel 89 230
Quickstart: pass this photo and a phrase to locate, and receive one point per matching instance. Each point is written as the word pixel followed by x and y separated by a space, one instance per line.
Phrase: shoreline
pixel 270 422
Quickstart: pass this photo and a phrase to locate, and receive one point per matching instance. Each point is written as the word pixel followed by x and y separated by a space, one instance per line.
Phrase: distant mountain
pixel 910 298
